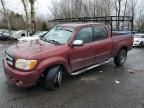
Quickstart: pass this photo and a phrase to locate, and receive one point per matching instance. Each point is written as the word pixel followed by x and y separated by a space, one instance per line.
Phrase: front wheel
pixel 141 44
pixel 120 59
pixel 54 78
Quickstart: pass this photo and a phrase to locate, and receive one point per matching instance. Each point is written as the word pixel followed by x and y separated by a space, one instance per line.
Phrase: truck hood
pixel 25 39
pixel 28 38
pixel 32 49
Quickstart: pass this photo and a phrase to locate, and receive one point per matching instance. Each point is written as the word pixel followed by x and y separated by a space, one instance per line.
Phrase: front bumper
pixel 18 78
pixel 136 43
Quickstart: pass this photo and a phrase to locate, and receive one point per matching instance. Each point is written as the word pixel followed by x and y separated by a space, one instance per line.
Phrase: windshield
pixel 58 35
pixel 38 34
pixel 5 33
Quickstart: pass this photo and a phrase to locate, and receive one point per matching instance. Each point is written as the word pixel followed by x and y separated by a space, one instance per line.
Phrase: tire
pixel 53 78
pixel 141 44
pixel 120 59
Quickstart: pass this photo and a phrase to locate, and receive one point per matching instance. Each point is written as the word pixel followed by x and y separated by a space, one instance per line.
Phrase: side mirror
pixel 77 43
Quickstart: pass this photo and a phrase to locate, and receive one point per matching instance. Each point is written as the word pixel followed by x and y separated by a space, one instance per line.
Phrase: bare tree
pixel 132 7
pixel 25 5
pixel 93 8
pixel 140 19
pixel 33 21
pixel 5 13
pixel 124 12
pixel 54 8
pixel 125 7
pixel 119 12
pixel 118 9
pixel 79 8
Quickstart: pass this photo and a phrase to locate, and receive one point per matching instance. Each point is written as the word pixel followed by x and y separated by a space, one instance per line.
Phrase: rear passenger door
pixel 102 44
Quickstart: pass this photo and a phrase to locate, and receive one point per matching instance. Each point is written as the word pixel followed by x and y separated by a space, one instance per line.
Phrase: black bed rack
pixel 106 19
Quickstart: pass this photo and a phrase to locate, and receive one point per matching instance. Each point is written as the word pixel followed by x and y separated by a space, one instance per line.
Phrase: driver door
pixel 82 56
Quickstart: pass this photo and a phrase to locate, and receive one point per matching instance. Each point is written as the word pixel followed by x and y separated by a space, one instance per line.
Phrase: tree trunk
pixel 124 13
pixel 119 12
pixel 7 17
pixel 26 13
pixel 33 22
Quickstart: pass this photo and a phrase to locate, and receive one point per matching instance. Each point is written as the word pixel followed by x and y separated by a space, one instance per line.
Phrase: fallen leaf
pixel 131 71
pixel 89 79
pixel 116 81
pixel 101 71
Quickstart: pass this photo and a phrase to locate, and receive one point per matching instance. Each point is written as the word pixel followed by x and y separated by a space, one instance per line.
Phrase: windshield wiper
pixel 54 41
pixel 65 30
pixel 68 30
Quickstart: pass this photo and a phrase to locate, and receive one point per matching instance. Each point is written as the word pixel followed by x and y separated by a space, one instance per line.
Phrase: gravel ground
pixel 104 87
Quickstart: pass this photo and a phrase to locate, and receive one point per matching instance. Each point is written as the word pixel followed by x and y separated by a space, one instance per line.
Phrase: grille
pixel 9 58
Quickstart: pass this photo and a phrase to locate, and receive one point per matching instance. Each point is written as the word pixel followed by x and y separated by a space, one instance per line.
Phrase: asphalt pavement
pixel 106 86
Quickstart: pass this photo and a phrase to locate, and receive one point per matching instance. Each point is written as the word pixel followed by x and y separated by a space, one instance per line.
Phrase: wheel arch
pixel 123 47
pixel 54 65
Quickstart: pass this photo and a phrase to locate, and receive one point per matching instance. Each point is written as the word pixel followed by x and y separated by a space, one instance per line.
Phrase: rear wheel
pixel 120 59
pixel 54 78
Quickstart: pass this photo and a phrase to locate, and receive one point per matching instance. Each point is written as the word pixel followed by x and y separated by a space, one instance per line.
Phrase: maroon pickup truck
pixel 65 49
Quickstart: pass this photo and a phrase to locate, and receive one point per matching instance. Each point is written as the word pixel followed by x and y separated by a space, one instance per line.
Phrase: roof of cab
pixel 80 24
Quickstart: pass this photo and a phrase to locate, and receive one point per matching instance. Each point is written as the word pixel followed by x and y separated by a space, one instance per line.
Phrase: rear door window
pixel 100 33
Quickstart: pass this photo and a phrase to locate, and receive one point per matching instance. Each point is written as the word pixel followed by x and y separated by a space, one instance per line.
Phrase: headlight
pixel 25 64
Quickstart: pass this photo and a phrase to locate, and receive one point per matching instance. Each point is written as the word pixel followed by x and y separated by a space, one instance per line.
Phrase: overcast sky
pixel 41 7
